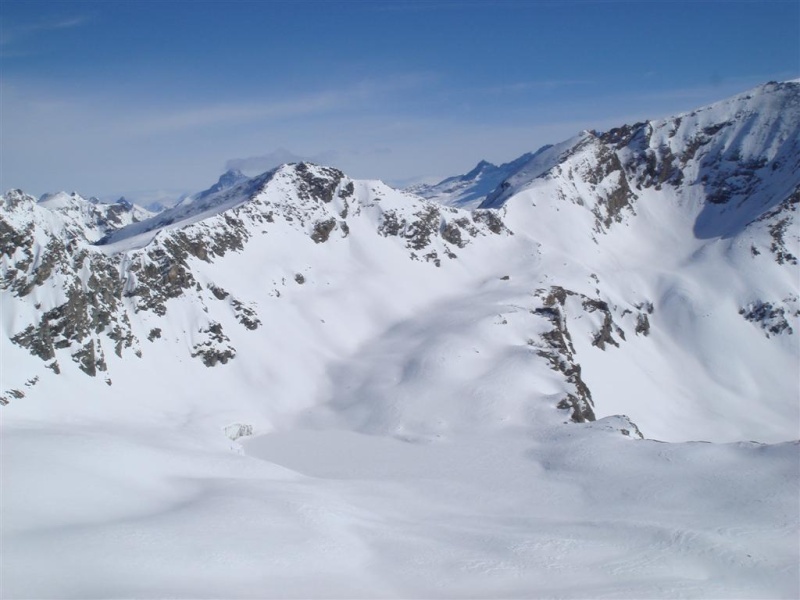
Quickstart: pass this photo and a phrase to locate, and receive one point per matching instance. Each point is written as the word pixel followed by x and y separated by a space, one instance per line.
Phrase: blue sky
pixel 131 97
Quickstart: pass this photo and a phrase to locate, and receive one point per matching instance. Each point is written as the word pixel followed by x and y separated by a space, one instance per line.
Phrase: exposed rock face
pixel 322 230
pixel 779 222
pixel 245 314
pixel 423 228
pixel 772 316
pixel 317 183
pixel 564 309
pixel 214 346
pixel 555 346
pixel 91 307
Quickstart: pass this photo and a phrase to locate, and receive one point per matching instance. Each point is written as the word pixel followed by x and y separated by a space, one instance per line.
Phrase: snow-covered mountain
pixel 93 218
pixel 227 180
pixel 433 354
pixel 470 189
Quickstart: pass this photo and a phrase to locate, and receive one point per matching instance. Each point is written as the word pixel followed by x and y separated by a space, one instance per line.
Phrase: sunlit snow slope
pixel 304 385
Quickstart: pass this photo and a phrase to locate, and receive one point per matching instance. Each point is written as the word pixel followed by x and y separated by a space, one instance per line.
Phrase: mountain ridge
pixel 615 189
pixel 665 167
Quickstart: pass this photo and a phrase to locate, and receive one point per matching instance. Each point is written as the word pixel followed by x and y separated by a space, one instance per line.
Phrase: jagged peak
pixel 13 198
pixel 481 167
pixel 227 180
pixel 60 200
pixel 231 177
pixel 232 173
pixel 310 167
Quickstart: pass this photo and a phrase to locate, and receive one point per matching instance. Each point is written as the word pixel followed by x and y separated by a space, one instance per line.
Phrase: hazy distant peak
pixel 482 167
pixel 231 177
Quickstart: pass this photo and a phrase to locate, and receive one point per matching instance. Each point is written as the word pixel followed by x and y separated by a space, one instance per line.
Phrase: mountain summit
pixel 467 191
pixel 227 180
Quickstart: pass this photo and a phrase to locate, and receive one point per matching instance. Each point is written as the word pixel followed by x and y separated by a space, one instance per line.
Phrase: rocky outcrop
pixel 772 317
pixel 561 307
pixel 435 229
pixel 213 346
pixel 317 183
pixel 555 346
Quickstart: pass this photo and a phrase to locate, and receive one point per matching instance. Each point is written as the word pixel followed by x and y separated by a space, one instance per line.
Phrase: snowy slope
pixel 305 385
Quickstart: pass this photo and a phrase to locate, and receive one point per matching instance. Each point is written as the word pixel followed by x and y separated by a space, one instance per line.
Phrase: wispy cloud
pixel 66 23
pixel 347 98
pixel 172 120
pixel 538 85
pixel 65 134
pixel 11 33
